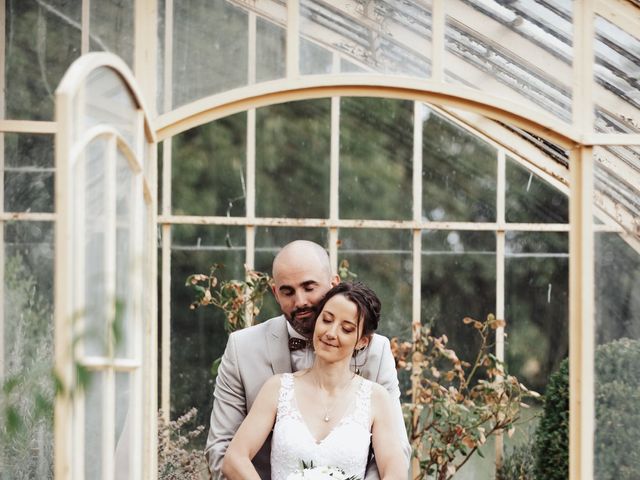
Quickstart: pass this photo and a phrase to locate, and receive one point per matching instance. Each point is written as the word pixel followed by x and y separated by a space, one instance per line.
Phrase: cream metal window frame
pixel 70 304
pixel 579 138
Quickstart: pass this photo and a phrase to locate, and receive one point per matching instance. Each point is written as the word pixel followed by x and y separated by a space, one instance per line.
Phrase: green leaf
pixel 14 420
pixel 215 366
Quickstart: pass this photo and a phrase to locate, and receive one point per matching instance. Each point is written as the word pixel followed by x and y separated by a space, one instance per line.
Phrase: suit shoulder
pixel 253 332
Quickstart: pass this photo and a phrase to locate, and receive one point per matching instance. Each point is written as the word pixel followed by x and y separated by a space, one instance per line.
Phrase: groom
pixel 302 275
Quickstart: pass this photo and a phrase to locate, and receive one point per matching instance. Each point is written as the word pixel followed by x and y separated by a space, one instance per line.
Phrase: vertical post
pixel 251 196
pixel 581 253
pixel 84 26
pixel 581 316
pixel 500 277
pixel 145 50
pixel 334 178
pixel 165 382
pixel 418 111
pixel 293 39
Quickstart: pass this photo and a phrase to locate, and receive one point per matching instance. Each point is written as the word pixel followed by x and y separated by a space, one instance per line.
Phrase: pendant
pixel 326 418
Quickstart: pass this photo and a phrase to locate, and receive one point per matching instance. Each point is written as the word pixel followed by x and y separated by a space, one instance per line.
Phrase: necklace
pixel 343 389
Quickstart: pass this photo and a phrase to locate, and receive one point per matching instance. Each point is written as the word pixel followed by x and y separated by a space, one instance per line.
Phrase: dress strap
pixel 362 411
pixel 286 396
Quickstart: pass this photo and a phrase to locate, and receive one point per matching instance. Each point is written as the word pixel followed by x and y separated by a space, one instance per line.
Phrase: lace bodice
pixel 345 447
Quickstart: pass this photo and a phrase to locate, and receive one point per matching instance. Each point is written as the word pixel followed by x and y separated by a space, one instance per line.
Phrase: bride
pixel 325 415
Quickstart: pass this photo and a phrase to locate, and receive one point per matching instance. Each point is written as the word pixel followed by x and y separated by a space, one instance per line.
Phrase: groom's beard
pixel 303 320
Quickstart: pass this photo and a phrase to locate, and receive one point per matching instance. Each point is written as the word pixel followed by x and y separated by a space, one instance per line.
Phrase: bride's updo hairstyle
pixel 365 299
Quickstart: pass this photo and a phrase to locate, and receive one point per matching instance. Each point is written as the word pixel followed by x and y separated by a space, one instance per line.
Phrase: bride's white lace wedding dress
pixel 345 447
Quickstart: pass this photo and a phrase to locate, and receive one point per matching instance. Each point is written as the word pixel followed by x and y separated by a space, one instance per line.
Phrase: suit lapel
pixel 278 346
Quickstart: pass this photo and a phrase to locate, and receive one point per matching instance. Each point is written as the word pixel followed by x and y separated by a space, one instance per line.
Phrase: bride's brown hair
pixel 366 301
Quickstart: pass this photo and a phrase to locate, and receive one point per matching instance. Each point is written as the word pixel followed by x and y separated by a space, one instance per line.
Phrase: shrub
pixel 519 461
pixel 617 397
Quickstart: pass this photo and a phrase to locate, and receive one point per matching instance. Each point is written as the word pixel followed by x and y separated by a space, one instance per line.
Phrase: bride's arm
pixel 389 456
pixel 252 433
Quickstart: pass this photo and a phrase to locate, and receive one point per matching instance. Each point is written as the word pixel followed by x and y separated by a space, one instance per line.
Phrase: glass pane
pixel 42 39
pixel 208 168
pixel 123 434
pixel 271 47
pixel 314 58
pixel 94 404
pixel 617 356
pixel 617 60
pixel 530 199
pixel 536 305
pixel 91 176
pixel 28 173
pixel 160 58
pixel 105 100
pixel 387 37
pixel 26 351
pixel 269 240
pixel 198 336
pixel 293 143
pixel 127 194
pixel 376 157
pixel 383 260
pixel 617 315
pixel 516 50
pixel 111 28
pixel 210 45
pixel 458 280
pixel 459 172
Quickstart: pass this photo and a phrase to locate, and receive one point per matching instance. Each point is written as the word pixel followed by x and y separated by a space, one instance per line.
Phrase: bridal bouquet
pixel 309 472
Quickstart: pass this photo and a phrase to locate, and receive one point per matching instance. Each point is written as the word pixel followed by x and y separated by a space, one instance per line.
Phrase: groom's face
pixel 298 288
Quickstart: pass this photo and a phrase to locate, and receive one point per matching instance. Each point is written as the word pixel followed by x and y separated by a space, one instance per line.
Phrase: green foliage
pixel 519 462
pixel 457 404
pixel 26 402
pixel 617 397
pixel 552 436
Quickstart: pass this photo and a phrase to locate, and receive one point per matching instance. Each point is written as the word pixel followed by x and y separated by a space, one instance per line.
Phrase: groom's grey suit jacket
pixel 252 356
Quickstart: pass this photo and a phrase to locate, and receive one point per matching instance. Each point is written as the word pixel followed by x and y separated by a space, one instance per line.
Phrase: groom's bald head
pixel 302 275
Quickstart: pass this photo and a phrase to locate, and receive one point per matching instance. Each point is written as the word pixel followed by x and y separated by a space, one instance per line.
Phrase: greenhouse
pixel 475 162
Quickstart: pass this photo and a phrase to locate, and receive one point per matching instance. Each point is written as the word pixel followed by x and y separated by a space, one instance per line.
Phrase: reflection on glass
pixel 270 51
pixel 103 87
pixel 617 59
pixel 111 28
pixel 28 191
pixel 530 199
pixel 536 305
pixel 124 444
pixel 459 172
pixel 209 169
pixel 383 260
pixel 292 159
pixel 198 336
pixel 387 37
pixel 268 241
pixel 41 43
pixel 92 173
pixel 124 326
pixel 617 355
pixel 94 403
pixel 376 155
pixel 458 280
pixel 27 346
pixel 516 50
pixel 210 45
pixel 314 59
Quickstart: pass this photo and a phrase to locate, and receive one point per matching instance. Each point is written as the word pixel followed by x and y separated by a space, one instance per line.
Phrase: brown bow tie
pixel 297 343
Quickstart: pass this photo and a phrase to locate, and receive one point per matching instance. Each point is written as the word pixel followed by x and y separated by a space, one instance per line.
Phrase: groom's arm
pixel 388 378
pixel 229 408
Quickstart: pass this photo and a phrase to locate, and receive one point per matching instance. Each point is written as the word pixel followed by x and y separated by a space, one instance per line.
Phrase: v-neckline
pixel 347 414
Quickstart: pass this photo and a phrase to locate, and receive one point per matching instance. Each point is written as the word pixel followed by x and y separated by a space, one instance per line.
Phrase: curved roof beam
pixel 322 86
